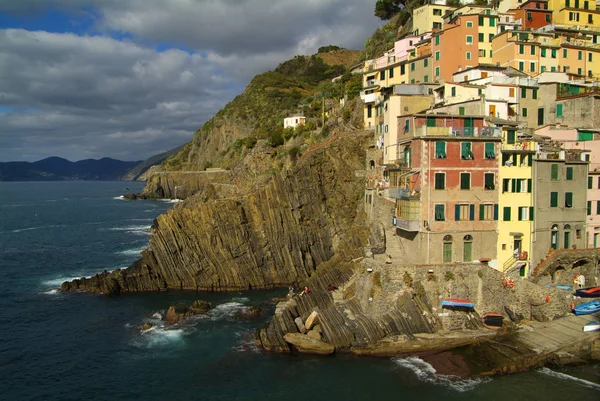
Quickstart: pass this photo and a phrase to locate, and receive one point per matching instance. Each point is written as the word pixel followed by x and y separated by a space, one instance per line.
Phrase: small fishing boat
pixel 587 308
pixel 492 320
pixel 458 303
pixel 590 292
pixel 591 326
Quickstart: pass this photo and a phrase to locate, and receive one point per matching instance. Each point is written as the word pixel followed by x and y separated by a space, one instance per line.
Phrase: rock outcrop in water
pixel 261 238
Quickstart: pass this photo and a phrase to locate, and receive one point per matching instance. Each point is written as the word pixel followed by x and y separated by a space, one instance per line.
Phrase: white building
pixel 293 121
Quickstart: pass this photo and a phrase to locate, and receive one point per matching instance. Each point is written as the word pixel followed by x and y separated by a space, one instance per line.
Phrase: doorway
pixel 468 249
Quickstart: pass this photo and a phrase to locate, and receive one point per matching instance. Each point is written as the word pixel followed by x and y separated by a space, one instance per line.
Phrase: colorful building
pixel 445 188
pixel 533 14
pixel 575 12
pixel 429 17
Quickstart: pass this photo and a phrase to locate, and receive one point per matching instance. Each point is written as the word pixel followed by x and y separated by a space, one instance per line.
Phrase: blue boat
pixel 458 303
pixel 587 308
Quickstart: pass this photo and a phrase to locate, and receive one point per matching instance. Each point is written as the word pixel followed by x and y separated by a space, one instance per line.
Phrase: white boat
pixel 591 326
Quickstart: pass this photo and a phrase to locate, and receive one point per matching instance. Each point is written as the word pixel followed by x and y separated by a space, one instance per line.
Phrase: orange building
pixel 533 14
pixel 465 42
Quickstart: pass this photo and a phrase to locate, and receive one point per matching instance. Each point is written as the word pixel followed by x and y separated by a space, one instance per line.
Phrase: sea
pixel 78 346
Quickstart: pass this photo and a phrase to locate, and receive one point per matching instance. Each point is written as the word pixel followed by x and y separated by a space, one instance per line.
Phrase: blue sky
pixel 129 79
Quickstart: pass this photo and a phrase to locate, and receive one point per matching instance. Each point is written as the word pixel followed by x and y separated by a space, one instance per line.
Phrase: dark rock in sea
pixel 147 326
pixel 179 312
pixel 251 312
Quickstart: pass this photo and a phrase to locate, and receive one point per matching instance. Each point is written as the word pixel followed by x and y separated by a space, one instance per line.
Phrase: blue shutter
pixel 457 212
pixel 496 211
pixel 471 212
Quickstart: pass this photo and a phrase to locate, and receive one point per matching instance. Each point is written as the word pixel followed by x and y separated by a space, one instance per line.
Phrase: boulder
pixel 300 325
pixel 147 326
pixel 311 320
pixel 179 312
pixel 314 334
pixel 308 345
pixel 251 312
pixel 318 328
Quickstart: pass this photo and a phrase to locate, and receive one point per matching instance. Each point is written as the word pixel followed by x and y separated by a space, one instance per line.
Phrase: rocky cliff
pixel 256 237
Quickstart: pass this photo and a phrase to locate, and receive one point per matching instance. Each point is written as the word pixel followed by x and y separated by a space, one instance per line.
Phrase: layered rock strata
pixel 266 237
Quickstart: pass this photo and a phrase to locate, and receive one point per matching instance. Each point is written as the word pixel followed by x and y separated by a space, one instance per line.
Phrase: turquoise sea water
pixel 57 346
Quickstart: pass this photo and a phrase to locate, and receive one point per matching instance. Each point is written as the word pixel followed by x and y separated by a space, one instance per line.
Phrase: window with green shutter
pixel 559 110
pixel 440 181
pixel 439 212
pixel 506 214
pixel 534 93
pixel 510 137
pixel 543 52
pixel 589 208
pixel 569 199
pixel 465 180
pixel 466 152
pixel 453 91
pixel 524 112
pixel 481 20
pixel 554 172
pixel 489 181
pixel 440 150
pixel 590 182
pixel 521 65
pixel 430 122
pixel 492 21
pixel 490 37
pixel 489 151
pixel 597 207
pixel 569 173
pixel 565 53
pixel 481 37
pixel 505 185
pixel 532 50
pixel 553 199
pixel 529 185
pixel 553 53
pixel 437 40
pixel 521 49
pixel 461 111
pixel 524 93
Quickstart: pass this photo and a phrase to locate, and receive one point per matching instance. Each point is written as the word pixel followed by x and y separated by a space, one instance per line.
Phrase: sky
pixel 128 79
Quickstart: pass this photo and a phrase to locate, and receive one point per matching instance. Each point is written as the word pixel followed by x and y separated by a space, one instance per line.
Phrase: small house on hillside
pixel 293 121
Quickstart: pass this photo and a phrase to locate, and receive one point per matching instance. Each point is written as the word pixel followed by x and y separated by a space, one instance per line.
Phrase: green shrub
pixel 293 152
pixel 408 281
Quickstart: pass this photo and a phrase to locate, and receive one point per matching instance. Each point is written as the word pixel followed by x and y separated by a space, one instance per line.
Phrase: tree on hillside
pixel 386 9
pixel 453 3
pixel 480 2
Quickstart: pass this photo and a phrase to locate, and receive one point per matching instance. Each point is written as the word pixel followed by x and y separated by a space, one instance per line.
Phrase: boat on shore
pixel 587 308
pixel 594 325
pixel 492 320
pixel 590 292
pixel 458 303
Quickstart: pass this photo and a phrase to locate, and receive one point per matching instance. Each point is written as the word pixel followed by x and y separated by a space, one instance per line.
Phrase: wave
pixel 170 200
pixel 57 282
pixel 121 197
pixel 19 230
pixel 51 292
pixel 564 376
pixel 223 311
pixel 427 373
pixel 133 251
pixel 159 337
pixel 131 228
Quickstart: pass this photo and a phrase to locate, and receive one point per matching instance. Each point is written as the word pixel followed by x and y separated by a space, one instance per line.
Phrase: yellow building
pixel 429 17
pixel 575 12
pixel 515 205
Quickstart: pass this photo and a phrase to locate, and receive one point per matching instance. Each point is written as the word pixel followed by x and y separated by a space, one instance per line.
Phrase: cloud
pixel 79 97
pixel 95 94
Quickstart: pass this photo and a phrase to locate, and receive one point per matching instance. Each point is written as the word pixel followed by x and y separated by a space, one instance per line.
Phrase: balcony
pixel 408 225
pixel 369 98
pixel 371 83
pixel 403 193
pixel 447 131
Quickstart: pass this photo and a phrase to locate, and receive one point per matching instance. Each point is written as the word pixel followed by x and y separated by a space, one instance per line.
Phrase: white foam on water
pixel 51 292
pixel 57 282
pixel 133 251
pixel 158 336
pixel 119 197
pixel 170 200
pixel 131 228
pixel 564 376
pixel 157 316
pixel 37 228
pixel 225 310
pixel 426 373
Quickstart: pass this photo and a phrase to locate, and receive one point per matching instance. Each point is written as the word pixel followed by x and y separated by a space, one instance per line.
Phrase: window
pixel 440 181
pixel 490 37
pixel 382 75
pixel 590 56
pixel 569 173
pixel 406 125
pixel 447 249
pixel 469 39
pixel 597 207
pixel 489 151
pixel 440 149
pixel 469 24
pixel 468 55
pixel 369 111
pixel 466 152
pixel 453 91
pixel 481 20
pixel 523 213
pixel 506 214
pixel 510 137
pixel 521 49
pixel 559 110
pixel 437 71
pixel 412 66
pixel 569 199
pixel 425 62
pixel 488 212
pixel 529 17
pixel 554 172
pixel 437 40
pixel 589 208
pixel 534 93
pixel 532 50
pixel 540 116
pixel 565 53
pixel 598 182
pixel 553 53
pixel 590 182
pixel 520 185
pixel 531 67
pixel 461 111
pixel 524 93
pixel 489 181
pixel 437 57
pixel 482 54
pixel 464 212
pixel 590 19
pixel 465 181
pixel 426 78
pixel 579 55
pixel 481 37
pixel 391 73
pixel 521 66
pixel 440 212
pixel 553 199
pixel 524 111
pixel 543 51
pixel 492 21
pixel 548 17
pixel 506 185
pixel 438 11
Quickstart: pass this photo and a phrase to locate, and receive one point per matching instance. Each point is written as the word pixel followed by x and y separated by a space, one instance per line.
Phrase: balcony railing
pixel 408 225
pixel 451 131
